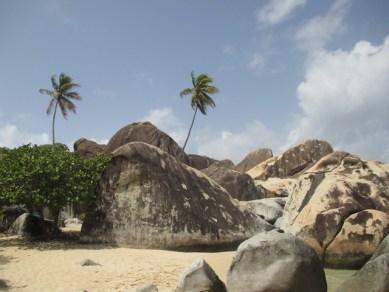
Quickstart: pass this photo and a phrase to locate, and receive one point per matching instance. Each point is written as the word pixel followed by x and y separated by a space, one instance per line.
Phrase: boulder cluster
pixel 290 214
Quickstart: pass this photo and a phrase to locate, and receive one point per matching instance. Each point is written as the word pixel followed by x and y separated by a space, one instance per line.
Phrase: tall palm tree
pixel 63 95
pixel 202 88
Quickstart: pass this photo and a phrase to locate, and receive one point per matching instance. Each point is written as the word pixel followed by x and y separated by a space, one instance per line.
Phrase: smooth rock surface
pixel 148 199
pixel 200 161
pixel 254 158
pixel 146 132
pixel 293 161
pixel 87 148
pixel 268 209
pixel 276 187
pixel 358 239
pixel 27 225
pixel 240 185
pixel 336 187
pixel 200 277
pixel 272 261
pixel 9 215
pixel 372 277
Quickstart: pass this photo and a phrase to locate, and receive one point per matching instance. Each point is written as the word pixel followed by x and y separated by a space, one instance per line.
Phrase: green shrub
pixel 42 176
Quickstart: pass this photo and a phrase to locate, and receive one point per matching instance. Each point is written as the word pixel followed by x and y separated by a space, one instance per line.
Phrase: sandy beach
pixel 55 266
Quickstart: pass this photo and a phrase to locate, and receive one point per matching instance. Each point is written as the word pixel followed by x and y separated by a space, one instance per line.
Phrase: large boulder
pixel 240 185
pixel 254 158
pixel 358 239
pixel 200 277
pixel 87 148
pixel 272 261
pixel 149 199
pixel 199 161
pixel 146 132
pixel 372 277
pixel 325 196
pixel 293 161
pixel 269 209
pixel 276 187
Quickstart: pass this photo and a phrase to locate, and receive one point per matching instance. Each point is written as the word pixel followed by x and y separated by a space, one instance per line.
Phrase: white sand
pixel 55 266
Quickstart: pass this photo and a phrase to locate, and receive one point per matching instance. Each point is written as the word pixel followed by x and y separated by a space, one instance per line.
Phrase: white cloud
pixel 234 146
pixel 256 61
pixel 318 31
pixel 345 100
pixel 276 11
pixel 11 136
pixel 166 120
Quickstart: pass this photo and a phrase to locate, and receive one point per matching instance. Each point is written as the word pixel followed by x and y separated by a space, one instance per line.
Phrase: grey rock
pixel 372 277
pixel 9 215
pixel 268 209
pixel 200 277
pixel 240 185
pixel 149 199
pixel 273 261
pixel 254 158
pixel 27 225
pixel 88 262
pixel 148 288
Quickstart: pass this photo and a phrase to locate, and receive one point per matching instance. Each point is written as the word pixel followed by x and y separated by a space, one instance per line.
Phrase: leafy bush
pixel 42 176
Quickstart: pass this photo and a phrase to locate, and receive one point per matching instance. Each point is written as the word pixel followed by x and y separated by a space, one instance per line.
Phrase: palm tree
pixel 62 95
pixel 202 88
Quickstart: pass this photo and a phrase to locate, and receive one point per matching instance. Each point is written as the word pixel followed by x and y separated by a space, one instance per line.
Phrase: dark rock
pixel 240 185
pixel 293 161
pixel 88 262
pixel 223 163
pixel 146 132
pixel 372 277
pixel 200 277
pixel 9 215
pixel 27 225
pixel 87 148
pixel 200 162
pixel 254 158
pixel 273 261
pixel 3 285
pixel 148 199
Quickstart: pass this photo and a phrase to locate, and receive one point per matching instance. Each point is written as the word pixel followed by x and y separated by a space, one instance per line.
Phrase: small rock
pixel 147 288
pixel 88 262
pixel 200 277
pixel 3 284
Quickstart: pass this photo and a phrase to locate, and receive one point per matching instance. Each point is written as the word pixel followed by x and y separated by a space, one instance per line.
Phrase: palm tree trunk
pixel 53 125
pixel 190 129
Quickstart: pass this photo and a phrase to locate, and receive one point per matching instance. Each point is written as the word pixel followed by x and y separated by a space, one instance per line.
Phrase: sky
pixel 287 70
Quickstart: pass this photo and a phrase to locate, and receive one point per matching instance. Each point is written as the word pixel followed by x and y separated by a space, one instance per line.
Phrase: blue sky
pixel 287 71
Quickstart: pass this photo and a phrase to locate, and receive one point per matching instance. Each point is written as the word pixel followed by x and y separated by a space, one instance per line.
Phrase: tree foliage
pixel 42 176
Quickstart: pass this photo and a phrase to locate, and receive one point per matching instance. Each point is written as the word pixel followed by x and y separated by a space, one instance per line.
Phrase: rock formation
pixel 334 191
pixel 268 209
pixel 254 158
pixel 240 185
pixel 145 132
pixel 272 261
pixel 200 277
pixel 148 199
pixel 292 162
pixel 87 148
pixel 199 161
